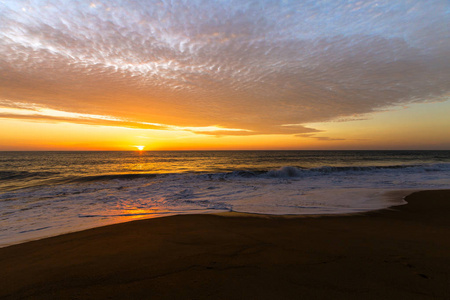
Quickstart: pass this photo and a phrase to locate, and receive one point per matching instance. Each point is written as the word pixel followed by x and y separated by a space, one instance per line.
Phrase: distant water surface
pixel 48 193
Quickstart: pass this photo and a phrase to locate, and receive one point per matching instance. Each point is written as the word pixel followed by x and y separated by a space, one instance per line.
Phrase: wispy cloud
pixel 319 138
pixel 24 111
pixel 227 67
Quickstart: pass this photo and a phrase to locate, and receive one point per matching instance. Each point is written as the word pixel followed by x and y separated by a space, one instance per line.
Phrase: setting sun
pixel 116 111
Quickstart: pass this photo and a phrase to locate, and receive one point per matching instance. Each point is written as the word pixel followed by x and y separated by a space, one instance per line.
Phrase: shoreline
pixel 401 251
pixel 393 196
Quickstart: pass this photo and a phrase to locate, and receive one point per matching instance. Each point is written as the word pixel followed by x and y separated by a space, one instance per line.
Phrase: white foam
pixel 49 210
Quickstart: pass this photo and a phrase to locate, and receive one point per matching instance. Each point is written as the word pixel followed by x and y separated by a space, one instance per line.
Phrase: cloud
pixel 319 138
pixel 23 111
pixel 243 65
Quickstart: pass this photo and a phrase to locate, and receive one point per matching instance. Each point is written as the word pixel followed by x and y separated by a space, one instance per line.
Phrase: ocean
pixel 49 193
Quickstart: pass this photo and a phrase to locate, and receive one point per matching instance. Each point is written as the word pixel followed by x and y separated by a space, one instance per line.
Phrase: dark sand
pixel 399 253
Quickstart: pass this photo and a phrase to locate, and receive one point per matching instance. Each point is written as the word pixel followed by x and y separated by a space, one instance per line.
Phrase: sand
pixel 399 252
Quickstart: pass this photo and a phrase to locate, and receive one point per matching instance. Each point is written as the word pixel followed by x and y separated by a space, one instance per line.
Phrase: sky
pixel 224 74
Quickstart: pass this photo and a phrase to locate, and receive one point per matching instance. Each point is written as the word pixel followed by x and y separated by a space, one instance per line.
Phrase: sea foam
pixel 97 200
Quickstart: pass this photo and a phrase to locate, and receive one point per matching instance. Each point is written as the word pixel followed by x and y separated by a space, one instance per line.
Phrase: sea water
pixel 49 193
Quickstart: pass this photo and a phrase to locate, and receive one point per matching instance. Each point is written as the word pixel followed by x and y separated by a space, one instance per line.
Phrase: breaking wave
pixel 284 172
pixel 21 175
pixel 69 203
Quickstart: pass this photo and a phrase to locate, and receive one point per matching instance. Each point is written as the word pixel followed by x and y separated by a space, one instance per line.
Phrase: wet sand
pixel 399 252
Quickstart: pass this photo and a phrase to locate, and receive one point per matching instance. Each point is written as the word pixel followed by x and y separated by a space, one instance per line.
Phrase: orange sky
pixel 406 128
pixel 113 75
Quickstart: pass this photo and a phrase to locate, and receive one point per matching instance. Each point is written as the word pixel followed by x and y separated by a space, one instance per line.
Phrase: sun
pixel 140 148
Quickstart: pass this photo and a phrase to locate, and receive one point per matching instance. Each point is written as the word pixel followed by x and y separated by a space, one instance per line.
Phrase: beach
pixel 227 150
pixel 398 252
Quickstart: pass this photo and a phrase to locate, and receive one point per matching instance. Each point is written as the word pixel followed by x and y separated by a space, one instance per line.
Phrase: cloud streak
pixel 23 111
pixel 250 65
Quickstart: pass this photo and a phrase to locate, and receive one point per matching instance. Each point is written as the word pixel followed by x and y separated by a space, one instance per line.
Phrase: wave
pixel 293 172
pixel 112 177
pixel 13 180
pixel 18 175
